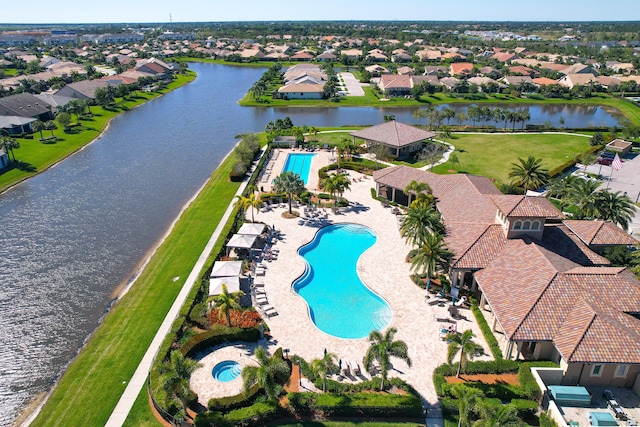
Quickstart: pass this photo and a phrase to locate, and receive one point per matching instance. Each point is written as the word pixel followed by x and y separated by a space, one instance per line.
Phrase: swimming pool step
pixel 381 318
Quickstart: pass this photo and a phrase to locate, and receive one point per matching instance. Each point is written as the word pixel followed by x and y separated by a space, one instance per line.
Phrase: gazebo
pixel 215 284
pixel 226 269
pixel 242 241
pixel 400 139
pixel 252 228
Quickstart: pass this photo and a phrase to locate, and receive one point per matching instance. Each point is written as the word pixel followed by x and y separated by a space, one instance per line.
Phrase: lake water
pixel 73 234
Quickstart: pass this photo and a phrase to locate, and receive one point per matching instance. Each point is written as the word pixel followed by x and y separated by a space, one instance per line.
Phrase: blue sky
pixel 120 11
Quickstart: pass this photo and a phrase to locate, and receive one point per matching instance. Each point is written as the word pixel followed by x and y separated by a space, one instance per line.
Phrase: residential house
pixel 461 69
pixel 400 55
pixel 521 70
pixel 543 81
pixel 409 71
pixel 302 56
pixel 429 55
pixel 571 80
pixel 517 80
pixel 402 140
pixel 376 70
pixel 4 159
pixel 25 105
pixel 578 69
pixel 376 55
pixel 83 89
pixel 352 53
pixel 504 56
pixel 327 57
pixel 449 82
pixel 436 70
pixel 483 82
pixel 395 85
pixel 541 282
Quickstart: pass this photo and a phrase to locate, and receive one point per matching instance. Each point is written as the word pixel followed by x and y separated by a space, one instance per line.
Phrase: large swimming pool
pixel 339 303
pixel 299 163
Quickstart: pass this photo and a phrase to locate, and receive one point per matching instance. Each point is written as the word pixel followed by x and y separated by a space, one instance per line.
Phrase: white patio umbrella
pixel 242 241
pixel 226 268
pixel 215 285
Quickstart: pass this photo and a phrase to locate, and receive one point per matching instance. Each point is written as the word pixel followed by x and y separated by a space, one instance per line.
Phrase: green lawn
pixel 34 157
pixel 491 154
pixel 346 424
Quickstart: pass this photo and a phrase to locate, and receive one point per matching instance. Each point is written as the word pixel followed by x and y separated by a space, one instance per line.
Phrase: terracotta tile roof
pixel 583 310
pixel 600 233
pixel 544 81
pixel 559 239
pixel 481 251
pixel 394 134
pixel 526 206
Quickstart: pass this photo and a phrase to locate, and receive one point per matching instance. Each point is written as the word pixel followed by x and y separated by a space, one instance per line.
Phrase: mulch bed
pixel 485 379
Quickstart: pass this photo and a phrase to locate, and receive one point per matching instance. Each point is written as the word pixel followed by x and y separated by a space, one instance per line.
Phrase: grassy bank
pixel 94 381
pixel 492 154
pixel 34 157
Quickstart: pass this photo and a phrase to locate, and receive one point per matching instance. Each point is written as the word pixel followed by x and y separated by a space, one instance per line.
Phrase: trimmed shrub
pixel 487 333
pixel 219 334
pixel 324 196
pixel 208 419
pixel 258 413
pixel 233 402
pixel 526 380
pixel 238 171
pixel 526 408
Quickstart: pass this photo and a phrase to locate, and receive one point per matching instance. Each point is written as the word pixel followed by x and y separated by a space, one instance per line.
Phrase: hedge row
pixel 233 402
pixel 526 380
pixel 367 404
pixel 245 152
pixel 570 163
pixel 489 337
pixel 219 334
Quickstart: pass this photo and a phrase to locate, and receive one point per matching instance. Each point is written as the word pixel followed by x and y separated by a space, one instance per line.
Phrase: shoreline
pixel 32 408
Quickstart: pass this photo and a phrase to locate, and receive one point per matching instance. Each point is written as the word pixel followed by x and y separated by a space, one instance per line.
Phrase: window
pixel 517 225
pixel 621 371
pixel 535 225
pixel 526 225
pixel 596 370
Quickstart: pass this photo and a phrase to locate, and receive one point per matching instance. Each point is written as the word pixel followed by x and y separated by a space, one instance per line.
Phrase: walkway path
pixel 139 379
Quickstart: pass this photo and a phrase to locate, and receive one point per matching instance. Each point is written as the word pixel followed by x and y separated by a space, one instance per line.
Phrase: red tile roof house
pixel 550 294
pixel 395 84
pixel 460 69
pixel 401 140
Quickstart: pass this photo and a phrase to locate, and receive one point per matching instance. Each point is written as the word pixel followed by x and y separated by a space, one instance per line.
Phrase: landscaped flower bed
pixel 239 319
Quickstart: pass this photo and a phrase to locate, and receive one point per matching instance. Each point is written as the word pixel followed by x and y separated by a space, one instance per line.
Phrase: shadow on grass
pixel 20 165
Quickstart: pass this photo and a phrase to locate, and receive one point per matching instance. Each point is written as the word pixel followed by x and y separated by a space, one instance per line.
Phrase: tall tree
pixel 9 144
pixel 469 399
pixel 270 372
pixel 463 343
pixel 582 194
pixel 38 126
pixel 290 183
pixel 249 202
pixel 498 416
pixel 614 207
pixel 323 367
pixel 420 222
pixel 382 348
pixel 416 188
pixel 432 254
pixel 175 380
pixel 529 173
pixel 225 302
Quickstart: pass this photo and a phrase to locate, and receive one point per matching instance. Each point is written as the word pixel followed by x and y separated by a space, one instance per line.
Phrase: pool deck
pixel 275 165
pixel 382 268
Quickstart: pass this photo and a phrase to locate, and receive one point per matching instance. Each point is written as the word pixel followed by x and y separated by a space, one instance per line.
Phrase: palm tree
pixel 314 130
pixel 500 416
pixel 250 201
pixel 464 344
pixel 419 222
pixel 382 348
pixel 455 161
pixel 468 400
pixel 417 188
pixel 341 183
pixel 225 302
pixel 38 126
pixel 50 125
pixel 290 183
pixel 9 144
pixel 561 188
pixel 614 207
pixel 323 367
pixel 431 255
pixel 583 195
pixel 269 373
pixel 529 173
pixel 176 380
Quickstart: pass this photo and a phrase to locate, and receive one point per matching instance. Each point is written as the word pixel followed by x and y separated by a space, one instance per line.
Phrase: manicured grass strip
pixel 346 424
pixel 93 383
pixel 34 157
pixel 492 154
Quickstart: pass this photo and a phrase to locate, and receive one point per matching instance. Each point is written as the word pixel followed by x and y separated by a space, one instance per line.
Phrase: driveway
pixel 353 86
pixel 625 180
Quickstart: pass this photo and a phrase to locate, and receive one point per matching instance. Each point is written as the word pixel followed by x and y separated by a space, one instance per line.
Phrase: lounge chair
pixel 271 312
pixel 355 368
pixel 442 318
pixel 461 301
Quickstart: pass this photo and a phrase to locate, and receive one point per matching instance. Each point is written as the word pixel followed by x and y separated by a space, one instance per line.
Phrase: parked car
pixel 606 158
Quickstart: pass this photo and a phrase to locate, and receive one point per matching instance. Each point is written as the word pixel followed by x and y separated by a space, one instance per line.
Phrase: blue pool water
pixel 339 303
pixel 299 163
pixel 226 371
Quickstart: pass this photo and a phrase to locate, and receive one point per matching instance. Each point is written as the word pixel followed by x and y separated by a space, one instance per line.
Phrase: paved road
pixel 625 180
